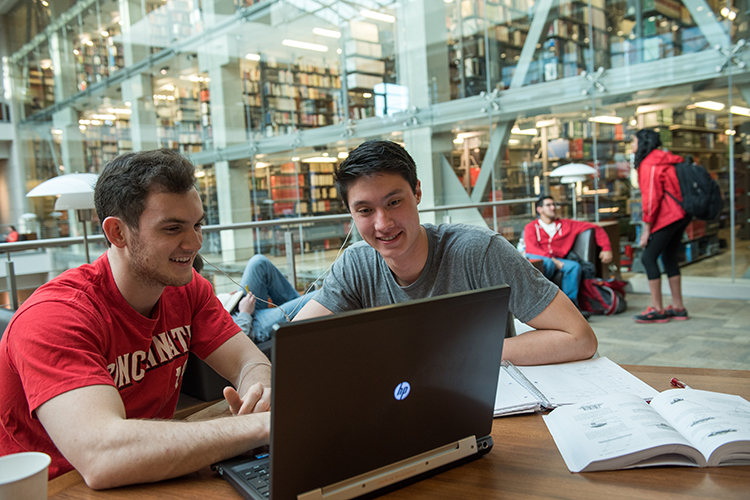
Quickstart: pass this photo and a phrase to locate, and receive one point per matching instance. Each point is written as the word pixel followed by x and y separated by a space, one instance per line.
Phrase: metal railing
pixel 44 244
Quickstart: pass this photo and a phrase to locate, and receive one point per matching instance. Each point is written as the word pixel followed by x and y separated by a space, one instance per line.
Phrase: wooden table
pixel 524 463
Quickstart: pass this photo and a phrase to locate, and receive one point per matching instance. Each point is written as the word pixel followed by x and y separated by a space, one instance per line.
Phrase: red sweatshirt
pixel 538 241
pixel 655 176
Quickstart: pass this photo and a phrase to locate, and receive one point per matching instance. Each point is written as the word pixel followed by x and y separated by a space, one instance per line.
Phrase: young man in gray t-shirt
pixel 400 260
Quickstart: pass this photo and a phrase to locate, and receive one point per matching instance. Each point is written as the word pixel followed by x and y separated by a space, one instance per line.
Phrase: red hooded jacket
pixel 538 242
pixel 656 174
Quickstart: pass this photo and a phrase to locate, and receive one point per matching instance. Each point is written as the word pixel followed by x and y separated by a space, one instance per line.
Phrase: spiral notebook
pixel 526 389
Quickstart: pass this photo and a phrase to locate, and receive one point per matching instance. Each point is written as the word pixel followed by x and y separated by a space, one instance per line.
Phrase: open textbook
pixel 229 300
pixel 525 389
pixel 680 427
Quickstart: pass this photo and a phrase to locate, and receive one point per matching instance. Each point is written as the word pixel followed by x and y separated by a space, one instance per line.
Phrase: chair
pixel 202 382
pixel 586 249
pixel 5 316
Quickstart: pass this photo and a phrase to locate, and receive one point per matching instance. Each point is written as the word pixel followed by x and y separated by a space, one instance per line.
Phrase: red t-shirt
pixel 78 330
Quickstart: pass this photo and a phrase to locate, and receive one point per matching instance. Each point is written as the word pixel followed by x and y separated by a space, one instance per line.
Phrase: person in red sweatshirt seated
pixel 550 239
pixel 12 235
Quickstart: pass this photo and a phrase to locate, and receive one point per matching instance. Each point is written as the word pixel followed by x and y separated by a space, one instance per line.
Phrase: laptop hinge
pixel 393 473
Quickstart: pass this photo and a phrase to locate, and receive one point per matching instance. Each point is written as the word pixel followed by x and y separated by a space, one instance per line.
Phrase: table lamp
pixel 74 192
pixel 572 173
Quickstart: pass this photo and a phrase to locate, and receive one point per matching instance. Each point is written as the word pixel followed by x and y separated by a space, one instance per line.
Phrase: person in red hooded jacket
pixel 664 221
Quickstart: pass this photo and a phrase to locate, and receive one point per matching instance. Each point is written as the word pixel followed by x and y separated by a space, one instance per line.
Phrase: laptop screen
pixel 363 389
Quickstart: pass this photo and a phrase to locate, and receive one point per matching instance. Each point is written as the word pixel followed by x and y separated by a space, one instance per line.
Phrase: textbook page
pixel 617 431
pixel 568 383
pixel 710 421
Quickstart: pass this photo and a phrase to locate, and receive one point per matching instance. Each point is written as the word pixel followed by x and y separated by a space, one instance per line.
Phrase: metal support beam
pixel 705 18
pixel 541 11
pixel 289 248
pixel 10 274
pixel 497 140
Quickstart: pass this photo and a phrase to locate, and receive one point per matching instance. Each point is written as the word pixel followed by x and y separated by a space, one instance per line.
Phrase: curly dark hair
pixel 372 158
pixel 648 140
pixel 125 183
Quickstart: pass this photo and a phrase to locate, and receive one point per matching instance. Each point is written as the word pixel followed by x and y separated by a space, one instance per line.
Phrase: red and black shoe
pixel 678 314
pixel 651 315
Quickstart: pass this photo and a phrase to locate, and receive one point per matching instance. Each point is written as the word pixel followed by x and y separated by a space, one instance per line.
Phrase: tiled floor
pixel 716 336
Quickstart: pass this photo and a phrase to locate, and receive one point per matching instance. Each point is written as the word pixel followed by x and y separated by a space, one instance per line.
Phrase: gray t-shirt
pixel 460 258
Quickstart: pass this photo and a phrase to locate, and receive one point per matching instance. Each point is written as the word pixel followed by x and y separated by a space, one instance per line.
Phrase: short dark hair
pixel 648 140
pixel 372 158
pixel 541 199
pixel 125 183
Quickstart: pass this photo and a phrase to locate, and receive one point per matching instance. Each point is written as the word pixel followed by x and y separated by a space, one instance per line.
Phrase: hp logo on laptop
pixel 402 390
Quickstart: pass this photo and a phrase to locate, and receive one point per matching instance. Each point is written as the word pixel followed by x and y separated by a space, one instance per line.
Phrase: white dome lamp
pixel 73 192
pixel 573 173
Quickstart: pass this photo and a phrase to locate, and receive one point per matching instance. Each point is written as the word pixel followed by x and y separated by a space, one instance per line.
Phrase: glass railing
pixel 303 248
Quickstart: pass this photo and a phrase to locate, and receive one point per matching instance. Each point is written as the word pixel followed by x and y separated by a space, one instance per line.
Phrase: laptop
pixel 367 399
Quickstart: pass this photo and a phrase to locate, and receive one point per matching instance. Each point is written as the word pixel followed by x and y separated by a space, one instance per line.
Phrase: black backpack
pixel 701 195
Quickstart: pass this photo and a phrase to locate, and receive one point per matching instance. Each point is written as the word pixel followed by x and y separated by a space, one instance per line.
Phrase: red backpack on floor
pixel 599 296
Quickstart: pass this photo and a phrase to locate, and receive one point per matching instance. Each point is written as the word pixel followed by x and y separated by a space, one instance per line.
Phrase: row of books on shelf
pixel 321 193
pixel 670 8
pixel 287 180
pixel 493 10
pixel 580 12
pixel 585 130
pixel 569 30
pixel 688 139
pixel 271 63
pixel 688 117
pixel 293 91
pixel 287 193
pixel 321 179
pixel 579 149
pixel 317 120
pixel 289 208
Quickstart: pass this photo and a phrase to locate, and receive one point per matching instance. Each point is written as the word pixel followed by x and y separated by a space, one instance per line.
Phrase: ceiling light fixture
pixel 305 45
pixel 737 110
pixel 378 16
pixel 320 159
pixel 712 105
pixel 613 120
pixel 328 33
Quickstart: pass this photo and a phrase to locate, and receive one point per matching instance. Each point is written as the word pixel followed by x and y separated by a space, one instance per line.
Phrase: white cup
pixel 23 476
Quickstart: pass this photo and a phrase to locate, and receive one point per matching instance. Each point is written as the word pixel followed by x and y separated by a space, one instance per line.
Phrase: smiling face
pixel 384 209
pixel 168 238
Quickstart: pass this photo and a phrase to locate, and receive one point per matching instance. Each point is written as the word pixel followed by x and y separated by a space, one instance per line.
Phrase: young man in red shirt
pixel 550 239
pixel 91 365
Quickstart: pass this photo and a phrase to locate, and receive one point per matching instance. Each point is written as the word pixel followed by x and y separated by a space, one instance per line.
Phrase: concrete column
pixel 219 59
pixel 234 206
pixel 134 49
pixel 138 91
pixel 71 147
pixel 63 62
pixel 423 55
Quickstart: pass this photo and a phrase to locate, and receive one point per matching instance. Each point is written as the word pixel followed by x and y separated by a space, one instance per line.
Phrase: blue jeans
pixel 265 280
pixel 571 272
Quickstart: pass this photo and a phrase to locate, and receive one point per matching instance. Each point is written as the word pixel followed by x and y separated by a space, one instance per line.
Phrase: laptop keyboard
pixel 257 476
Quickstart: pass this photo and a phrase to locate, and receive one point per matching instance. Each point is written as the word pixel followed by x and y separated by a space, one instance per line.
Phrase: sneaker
pixel 651 315
pixel 678 314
